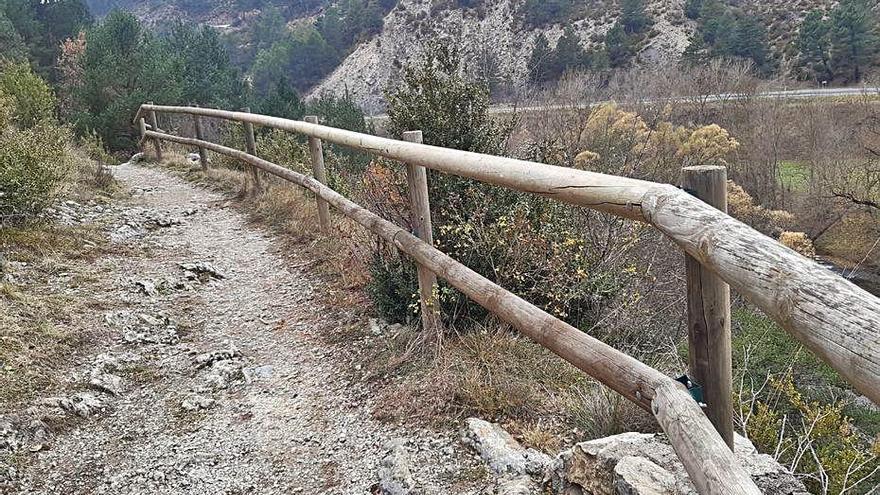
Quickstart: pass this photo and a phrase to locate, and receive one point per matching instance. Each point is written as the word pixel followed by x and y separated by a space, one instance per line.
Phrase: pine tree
pixel 569 54
pixel 814 45
pixel 697 52
pixel 618 47
pixel 12 46
pixel 854 39
pixel 692 8
pixel 541 61
pixel 750 41
pixel 281 100
pixel 633 16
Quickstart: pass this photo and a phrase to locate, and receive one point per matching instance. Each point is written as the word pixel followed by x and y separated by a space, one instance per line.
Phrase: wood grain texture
pixel 417 185
pixel 142 128
pixel 316 148
pixel 711 466
pixel 709 339
pixel 250 142
pixel 203 154
pixel 154 124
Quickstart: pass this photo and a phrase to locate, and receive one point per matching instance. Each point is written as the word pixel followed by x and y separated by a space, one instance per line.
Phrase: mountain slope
pixel 495 37
pixel 491 38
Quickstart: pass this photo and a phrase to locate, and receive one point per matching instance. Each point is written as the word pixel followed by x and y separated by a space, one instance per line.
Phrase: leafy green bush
pixel 344 113
pixel 531 246
pixel 31 101
pixel 33 163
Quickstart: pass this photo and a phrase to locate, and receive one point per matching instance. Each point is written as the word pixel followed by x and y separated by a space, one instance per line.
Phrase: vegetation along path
pixel 209 373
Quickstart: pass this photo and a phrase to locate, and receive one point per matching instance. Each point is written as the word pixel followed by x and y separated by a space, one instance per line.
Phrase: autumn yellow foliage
pixel 621 142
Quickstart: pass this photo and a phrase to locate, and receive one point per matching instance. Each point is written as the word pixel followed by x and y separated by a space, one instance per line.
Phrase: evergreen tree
pixel 268 28
pixel 617 46
pixel 537 13
pixel 281 100
pixel 814 45
pixel 854 40
pixel 343 113
pixel 12 47
pixel 205 70
pixel 541 61
pixel 692 8
pixel 41 26
pixel 750 41
pixel 633 16
pixel 697 52
pixel 569 54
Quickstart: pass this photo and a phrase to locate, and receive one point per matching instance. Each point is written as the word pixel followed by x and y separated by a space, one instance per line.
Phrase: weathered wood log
pixel 197 128
pixel 250 142
pixel 417 184
pixel 154 124
pixel 703 452
pixel 710 464
pixel 709 341
pixel 831 316
pixel 142 127
pixel 320 173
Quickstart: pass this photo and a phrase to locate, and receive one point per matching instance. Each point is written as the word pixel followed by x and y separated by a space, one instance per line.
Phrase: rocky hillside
pixel 219 13
pixel 493 35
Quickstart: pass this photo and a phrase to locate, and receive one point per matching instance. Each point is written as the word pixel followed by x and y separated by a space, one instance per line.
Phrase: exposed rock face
pixel 645 464
pixel 500 451
pixel 494 32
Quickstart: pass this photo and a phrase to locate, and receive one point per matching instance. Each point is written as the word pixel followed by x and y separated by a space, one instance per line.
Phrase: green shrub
pixel 816 439
pixel 30 99
pixel 93 146
pixel 33 163
pixel 344 113
pixel 790 406
pixel 393 287
pixel 532 246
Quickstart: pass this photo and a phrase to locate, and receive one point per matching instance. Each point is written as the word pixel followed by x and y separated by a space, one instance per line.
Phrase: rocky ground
pixel 210 375
pixel 208 370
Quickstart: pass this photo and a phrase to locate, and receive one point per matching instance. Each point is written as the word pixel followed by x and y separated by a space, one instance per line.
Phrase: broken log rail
pixel 834 318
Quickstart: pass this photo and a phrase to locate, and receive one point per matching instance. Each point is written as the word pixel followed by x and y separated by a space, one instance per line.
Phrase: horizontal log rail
pixel 834 318
pixel 837 320
pixel 711 465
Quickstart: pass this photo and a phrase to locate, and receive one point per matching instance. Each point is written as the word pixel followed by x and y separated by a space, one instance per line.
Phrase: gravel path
pixel 213 377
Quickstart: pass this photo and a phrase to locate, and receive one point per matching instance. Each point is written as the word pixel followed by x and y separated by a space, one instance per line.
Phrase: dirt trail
pixel 222 383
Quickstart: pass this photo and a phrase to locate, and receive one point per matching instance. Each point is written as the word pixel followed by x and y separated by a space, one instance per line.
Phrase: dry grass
pixel 291 213
pixel 38 334
pixel 37 337
pixel 490 372
pixel 499 375
pixel 853 241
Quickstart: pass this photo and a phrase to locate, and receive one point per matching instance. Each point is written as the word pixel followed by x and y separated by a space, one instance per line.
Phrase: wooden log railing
pixel 837 320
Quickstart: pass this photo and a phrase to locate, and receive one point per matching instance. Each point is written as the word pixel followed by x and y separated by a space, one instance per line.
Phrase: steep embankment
pixel 493 38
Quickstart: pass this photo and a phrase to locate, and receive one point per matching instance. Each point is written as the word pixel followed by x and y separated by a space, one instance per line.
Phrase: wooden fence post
pixel 320 174
pixel 709 346
pixel 142 126
pixel 417 182
pixel 251 148
pixel 154 123
pixel 203 153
